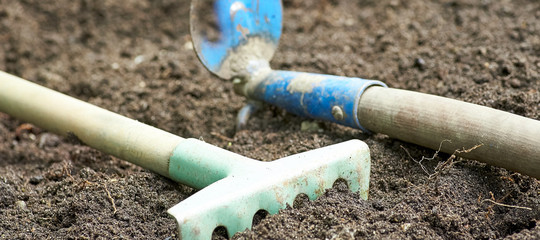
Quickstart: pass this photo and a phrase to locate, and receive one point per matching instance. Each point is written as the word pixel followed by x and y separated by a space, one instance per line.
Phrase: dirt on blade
pixel 136 58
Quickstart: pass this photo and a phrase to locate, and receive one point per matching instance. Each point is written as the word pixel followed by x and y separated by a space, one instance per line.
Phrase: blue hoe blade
pixel 237 21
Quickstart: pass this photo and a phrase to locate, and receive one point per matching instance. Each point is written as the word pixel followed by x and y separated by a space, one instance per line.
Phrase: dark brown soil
pixel 135 58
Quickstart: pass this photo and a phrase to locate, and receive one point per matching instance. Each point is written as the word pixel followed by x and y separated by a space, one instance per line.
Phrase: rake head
pixel 247 186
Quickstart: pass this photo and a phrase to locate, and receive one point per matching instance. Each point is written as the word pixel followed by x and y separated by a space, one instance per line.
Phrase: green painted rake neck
pixel 239 186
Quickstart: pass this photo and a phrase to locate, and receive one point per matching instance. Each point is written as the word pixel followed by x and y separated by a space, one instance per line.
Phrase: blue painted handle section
pixel 315 95
pixel 239 20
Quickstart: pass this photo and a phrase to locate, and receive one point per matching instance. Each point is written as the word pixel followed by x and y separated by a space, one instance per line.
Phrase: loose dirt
pixel 135 58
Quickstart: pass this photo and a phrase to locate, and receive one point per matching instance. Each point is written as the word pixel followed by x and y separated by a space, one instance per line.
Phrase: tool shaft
pixel 504 139
pixel 106 131
pixel 501 138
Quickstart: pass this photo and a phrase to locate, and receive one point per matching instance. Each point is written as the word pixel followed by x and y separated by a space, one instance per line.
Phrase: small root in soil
pixel 424 157
pixel 506 205
pixel 86 183
pixel 222 137
pixel 498 203
pixel 444 165
pixel 110 198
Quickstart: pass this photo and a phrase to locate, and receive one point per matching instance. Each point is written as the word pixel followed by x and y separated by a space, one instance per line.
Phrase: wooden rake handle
pixel 504 139
pixel 109 132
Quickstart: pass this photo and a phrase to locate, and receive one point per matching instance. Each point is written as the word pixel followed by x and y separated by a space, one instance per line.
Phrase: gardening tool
pixel 233 187
pixel 249 36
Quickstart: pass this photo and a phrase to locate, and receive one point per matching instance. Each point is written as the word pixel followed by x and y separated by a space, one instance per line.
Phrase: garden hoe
pixel 249 34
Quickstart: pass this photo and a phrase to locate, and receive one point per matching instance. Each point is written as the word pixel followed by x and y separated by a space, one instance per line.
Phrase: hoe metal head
pixel 230 35
pixel 238 187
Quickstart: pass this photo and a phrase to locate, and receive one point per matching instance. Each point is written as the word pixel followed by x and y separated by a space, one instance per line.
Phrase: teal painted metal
pixel 236 187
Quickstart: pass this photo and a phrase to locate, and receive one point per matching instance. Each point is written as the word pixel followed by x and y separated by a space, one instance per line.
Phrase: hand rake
pixel 250 32
pixel 233 187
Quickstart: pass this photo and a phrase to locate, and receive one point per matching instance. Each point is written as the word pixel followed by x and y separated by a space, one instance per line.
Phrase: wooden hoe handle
pixel 504 139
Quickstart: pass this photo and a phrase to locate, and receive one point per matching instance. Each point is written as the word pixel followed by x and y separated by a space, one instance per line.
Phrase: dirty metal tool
pixel 250 32
pixel 233 187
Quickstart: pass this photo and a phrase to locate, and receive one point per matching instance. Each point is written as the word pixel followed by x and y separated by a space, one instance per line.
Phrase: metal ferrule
pixel 317 96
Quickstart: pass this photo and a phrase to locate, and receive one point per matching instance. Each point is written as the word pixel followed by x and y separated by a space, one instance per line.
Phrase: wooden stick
pixel 109 132
pixel 507 140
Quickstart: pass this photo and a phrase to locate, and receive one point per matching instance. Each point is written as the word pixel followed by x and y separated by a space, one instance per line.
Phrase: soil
pixel 135 58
